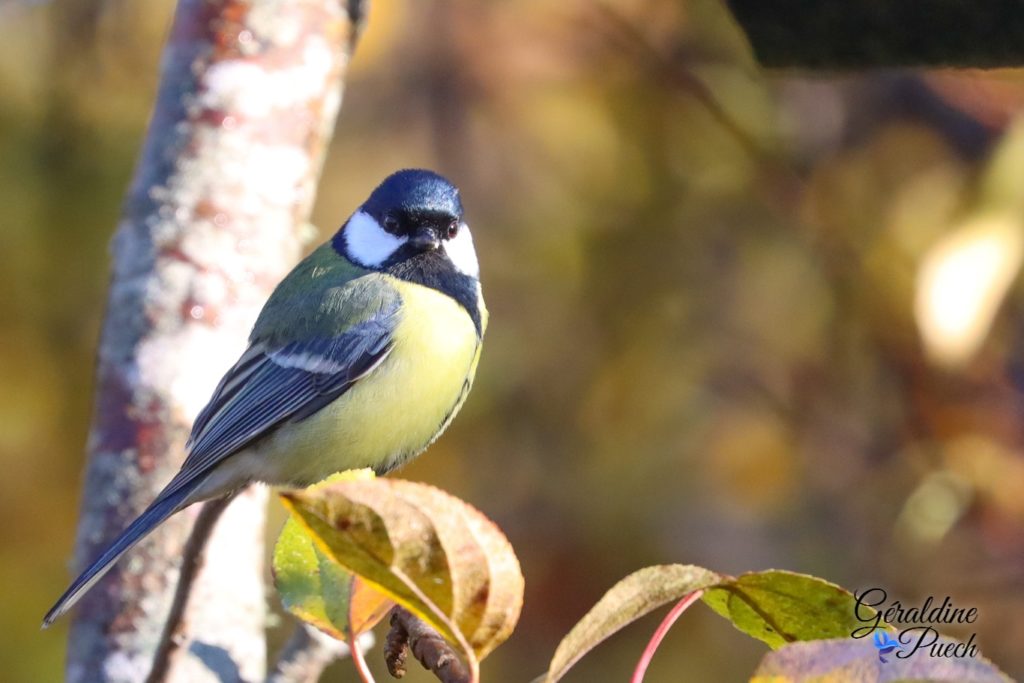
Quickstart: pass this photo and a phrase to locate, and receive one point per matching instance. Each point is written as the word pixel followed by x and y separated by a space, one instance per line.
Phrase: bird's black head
pixel 412 227
pixel 412 193
pixel 411 212
pixel 419 205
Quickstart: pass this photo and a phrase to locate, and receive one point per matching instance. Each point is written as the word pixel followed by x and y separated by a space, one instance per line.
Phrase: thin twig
pixel 427 645
pixel 191 563
pixel 308 652
pixel 659 635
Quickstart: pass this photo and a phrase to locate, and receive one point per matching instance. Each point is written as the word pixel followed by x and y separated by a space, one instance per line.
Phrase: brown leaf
pixel 631 598
pixel 430 552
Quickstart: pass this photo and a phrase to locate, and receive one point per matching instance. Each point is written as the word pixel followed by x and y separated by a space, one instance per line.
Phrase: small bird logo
pixel 886 644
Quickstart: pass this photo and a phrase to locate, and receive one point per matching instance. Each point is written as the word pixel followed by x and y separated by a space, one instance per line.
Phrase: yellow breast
pixel 397 410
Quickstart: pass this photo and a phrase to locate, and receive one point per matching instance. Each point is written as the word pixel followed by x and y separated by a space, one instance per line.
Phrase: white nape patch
pixel 367 243
pixel 461 253
pixel 310 362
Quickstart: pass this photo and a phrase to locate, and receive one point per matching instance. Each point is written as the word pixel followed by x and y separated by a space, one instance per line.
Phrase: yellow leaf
pixel 428 551
pixel 315 589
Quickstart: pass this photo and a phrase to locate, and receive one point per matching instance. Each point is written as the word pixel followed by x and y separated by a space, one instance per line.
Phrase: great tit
pixel 360 358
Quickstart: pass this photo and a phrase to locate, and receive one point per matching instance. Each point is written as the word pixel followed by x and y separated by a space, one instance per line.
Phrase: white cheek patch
pixel 367 243
pixel 461 253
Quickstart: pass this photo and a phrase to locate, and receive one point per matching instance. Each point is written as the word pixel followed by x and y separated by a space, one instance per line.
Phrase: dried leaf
pixel 628 600
pixel 430 552
pixel 314 588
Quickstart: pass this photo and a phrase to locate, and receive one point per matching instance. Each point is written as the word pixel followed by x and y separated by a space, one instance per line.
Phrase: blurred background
pixel 741 319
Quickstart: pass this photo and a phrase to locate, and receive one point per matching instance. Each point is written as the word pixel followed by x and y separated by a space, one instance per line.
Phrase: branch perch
pixel 409 632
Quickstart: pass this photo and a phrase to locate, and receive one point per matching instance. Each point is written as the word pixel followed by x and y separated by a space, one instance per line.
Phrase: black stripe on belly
pixel 433 269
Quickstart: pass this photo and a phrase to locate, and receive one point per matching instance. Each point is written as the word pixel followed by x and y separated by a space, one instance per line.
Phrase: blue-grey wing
pixel 272 385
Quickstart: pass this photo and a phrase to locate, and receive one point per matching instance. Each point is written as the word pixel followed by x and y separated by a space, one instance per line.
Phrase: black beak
pixel 425 239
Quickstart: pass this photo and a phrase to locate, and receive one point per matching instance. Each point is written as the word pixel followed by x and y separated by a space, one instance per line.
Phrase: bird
pixel 360 358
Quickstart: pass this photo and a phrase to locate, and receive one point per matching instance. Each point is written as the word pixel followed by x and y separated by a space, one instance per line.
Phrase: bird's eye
pixel 391 223
pixel 453 229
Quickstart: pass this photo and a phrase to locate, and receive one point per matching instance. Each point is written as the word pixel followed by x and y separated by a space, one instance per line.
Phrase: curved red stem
pixel 659 635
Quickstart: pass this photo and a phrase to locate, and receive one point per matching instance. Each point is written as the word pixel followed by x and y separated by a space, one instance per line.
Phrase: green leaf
pixel 315 589
pixel 845 660
pixel 430 552
pixel 628 600
pixel 780 607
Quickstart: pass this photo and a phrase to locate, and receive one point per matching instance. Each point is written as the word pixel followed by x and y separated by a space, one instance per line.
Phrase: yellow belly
pixel 393 413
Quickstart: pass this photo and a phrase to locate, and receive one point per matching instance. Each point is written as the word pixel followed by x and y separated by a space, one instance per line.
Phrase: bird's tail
pixel 162 508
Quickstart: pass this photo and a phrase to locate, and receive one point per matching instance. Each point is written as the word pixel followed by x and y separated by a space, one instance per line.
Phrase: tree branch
pixel 212 220
pixel 409 632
